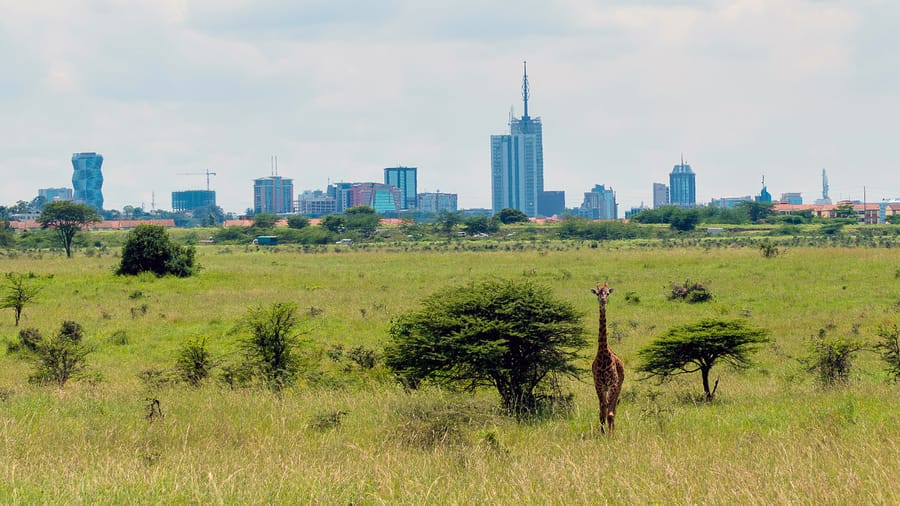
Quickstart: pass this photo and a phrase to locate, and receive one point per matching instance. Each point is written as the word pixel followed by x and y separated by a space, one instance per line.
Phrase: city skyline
pixel 342 90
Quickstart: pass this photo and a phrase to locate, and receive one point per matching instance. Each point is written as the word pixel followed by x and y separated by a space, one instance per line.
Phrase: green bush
pixel 270 350
pixel 831 358
pixel 194 362
pixel 889 349
pixel 690 291
pixel 60 358
pixel 148 249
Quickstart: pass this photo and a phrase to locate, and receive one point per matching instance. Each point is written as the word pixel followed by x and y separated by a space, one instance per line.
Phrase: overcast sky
pixel 340 89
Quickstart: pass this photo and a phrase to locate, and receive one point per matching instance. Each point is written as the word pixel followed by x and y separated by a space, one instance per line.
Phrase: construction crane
pixel 207 173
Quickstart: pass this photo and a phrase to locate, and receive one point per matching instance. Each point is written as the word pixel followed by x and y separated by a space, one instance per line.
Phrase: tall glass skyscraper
pixel 87 180
pixel 405 179
pixel 682 187
pixel 517 162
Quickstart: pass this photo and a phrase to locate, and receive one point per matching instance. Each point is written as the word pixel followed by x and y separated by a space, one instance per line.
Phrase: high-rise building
pixel 682 186
pixel 552 203
pixel 192 199
pixel 405 179
pixel 517 162
pixel 600 204
pixel 273 194
pixel 52 194
pixel 660 195
pixel 87 180
pixel 433 203
pixel 384 198
pixel 791 198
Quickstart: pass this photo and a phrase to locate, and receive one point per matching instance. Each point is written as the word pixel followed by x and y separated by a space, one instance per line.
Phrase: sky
pixel 340 89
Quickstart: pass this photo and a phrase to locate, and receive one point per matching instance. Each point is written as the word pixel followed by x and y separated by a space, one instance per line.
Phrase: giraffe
pixel 609 373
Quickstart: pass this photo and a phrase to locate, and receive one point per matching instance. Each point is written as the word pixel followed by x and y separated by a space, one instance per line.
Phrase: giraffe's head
pixel 602 292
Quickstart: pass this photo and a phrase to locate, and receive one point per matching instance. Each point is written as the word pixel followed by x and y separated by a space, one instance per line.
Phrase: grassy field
pixel 348 435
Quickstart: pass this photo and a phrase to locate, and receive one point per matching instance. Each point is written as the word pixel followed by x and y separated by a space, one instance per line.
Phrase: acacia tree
pixel 511 335
pixel 699 346
pixel 18 294
pixel 67 218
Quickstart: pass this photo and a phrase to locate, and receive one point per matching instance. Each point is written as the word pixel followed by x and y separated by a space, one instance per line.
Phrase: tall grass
pixel 353 436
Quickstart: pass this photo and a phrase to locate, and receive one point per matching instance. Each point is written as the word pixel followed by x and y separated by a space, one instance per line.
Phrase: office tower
pixel 433 203
pixel 192 199
pixel 517 162
pixel 273 194
pixel 825 200
pixel 53 194
pixel 600 204
pixel 793 198
pixel 682 186
pixel 87 180
pixel 552 202
pixel 660 195
pixel 405 179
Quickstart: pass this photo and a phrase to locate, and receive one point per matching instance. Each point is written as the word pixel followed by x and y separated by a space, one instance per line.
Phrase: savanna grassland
pixel 348 434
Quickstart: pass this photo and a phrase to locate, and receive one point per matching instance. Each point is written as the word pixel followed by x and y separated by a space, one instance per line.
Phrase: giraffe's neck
pixel 602 342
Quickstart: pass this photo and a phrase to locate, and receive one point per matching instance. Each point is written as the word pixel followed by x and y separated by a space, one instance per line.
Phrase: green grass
pixel 771 436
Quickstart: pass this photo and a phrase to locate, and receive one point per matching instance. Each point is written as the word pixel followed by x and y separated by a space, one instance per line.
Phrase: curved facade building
pixel 87 180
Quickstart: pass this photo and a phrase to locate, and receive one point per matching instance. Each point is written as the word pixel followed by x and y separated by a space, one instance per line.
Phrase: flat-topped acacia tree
pixel 67 218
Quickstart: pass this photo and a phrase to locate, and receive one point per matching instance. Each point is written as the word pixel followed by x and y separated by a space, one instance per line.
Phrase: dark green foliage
pixel 270 351
pixel 30 339
pixel 264 220
pixel 60 358
pixel 335 223
pixel 768 250
pixel 362 220
pixel 889 349
pixel 511 335
pixel 831 358
pixel 699 346
pixel 756 212
pixel 685 220
pixel 194 362
pixel 18 292
pixel 510 215
pixel 297 221
pixel 480 225
pixel 691 292
pixel 446 221
pixel 148 249
pixel 581 228
pixel 363 357
pixel 67 218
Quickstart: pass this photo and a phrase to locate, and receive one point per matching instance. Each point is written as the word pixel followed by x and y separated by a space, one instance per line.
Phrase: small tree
pixel 699 346
pixel 264 220
pixel 509 215
pixel 148 249
pixel 830 358
pixel 67 218
pixel 18 294
pixel 270 349
pixel 60 358
pixel 511 335
pixel 447 221
pixel 297 221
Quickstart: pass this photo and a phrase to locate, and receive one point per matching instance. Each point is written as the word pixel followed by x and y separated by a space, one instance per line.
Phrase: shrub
pixel 690 291
pixel 194 362
pixel 30 339
pixel 830 358
pixel 60 358
pixel 297 221
pixel 148 249
pixel 270 351
pixel 889 349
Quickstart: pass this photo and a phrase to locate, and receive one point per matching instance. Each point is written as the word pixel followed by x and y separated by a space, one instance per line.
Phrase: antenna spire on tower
pixel 526 91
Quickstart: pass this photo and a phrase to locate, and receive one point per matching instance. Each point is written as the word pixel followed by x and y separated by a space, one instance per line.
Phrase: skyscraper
pixel 87 180
pixel 517 162
pixel 273 194
pixel 660 195
pixel 682 186
pixel 600 204
pixel 405 179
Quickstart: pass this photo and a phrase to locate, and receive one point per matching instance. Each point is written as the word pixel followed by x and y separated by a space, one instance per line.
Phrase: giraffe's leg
pixel 614 392
pixel 604 409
